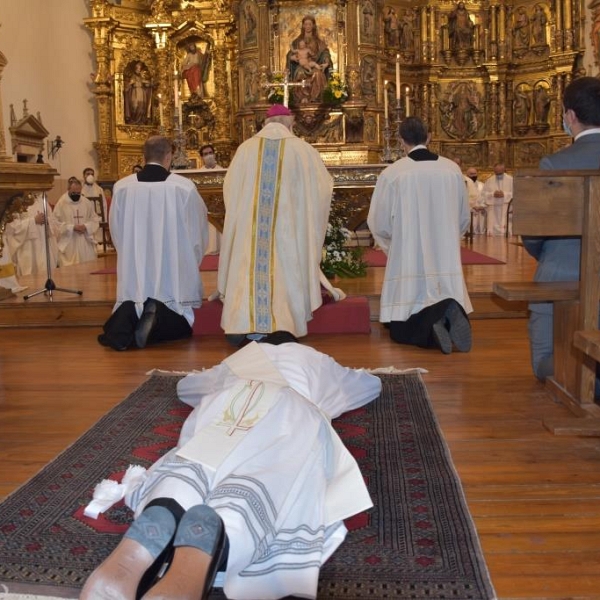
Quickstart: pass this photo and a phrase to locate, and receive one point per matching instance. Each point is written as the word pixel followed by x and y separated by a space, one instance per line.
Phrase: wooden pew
pixel 565 203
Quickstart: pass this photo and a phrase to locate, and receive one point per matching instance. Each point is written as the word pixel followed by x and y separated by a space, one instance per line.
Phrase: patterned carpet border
pixel 418 541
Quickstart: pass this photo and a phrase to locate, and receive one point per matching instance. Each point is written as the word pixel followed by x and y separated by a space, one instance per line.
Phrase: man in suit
pixel 558 258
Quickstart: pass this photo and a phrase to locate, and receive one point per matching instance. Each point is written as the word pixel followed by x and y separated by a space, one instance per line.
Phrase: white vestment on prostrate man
pixel 160 231
pixel 419 211
pixel 497 208
pixel 27 240
pixel 286 483
pixel 74 247
pixel 277 195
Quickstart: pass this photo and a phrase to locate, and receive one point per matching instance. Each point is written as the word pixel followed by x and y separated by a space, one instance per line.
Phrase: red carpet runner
pixel 376 258
pixel 351 315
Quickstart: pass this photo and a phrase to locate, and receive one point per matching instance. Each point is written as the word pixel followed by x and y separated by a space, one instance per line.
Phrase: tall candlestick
pixel 385 99
pixel 397 77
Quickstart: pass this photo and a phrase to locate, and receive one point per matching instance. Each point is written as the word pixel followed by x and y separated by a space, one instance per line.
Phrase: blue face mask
pixel 566 128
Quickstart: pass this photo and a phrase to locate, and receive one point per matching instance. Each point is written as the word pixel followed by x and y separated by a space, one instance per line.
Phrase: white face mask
pixel 209 161
pixel 89 179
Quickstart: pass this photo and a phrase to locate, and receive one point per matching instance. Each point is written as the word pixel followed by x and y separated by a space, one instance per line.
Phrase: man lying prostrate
pixel 258 468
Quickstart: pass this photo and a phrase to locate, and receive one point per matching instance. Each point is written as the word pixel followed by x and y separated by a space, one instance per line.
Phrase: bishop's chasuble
pixel 277 195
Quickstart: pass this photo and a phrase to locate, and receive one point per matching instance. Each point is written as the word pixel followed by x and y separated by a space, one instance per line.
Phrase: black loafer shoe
pixel 146 323
pixel 200 543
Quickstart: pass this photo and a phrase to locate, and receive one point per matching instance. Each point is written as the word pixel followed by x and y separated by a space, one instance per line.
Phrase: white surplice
pixel 159 230
pixel 93 190
pixel 27 240
pixel 419 211
pixel 277 195
pixel 285 486
pixel 479 216
pixel 76 247
pixel 497 208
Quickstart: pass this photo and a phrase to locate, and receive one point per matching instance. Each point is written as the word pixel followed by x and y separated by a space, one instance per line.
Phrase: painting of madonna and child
pixel 307 52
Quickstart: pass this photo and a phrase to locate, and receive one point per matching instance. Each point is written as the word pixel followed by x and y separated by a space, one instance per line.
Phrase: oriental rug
pixel 377 258
pixel 417 542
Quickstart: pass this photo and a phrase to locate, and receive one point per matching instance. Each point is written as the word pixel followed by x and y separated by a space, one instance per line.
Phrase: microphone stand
pixel 50 286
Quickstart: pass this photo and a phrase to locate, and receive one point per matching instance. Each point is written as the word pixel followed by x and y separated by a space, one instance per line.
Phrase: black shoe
pixel 143 547
pixel 200 535
pixel 105 340
pixel 146 323
pixel 441 337
pixel 459 328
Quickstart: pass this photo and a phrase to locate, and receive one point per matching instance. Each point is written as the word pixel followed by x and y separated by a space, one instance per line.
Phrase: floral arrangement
pixel 336 91
pixel 276 94
pixel 337 258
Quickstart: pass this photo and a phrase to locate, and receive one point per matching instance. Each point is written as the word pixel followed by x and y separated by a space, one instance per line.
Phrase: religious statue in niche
pixel 541 104
pixel 461 115
pixel 522 106
pixel 137 94
pixel 368 76
pixel 460 29
pixel 368 20
pixel 391 28
pixel 249 23
pixel 406 30
pixel 538 25
pixel 521 29
pixel 250 82
pixel 195 68
pixel 317 59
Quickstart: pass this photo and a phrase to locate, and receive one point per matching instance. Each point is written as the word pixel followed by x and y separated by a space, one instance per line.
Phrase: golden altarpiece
pixel 485 75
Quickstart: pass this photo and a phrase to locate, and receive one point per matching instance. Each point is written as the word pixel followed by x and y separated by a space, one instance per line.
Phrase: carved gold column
pixel 493 32
pixel 501 32
pixel 424 45
pixel 347 37
pixel 102 28
pixel 559 27
pixel 263 37
pixel 502 108
pixel 568 24
pixel 3 155
pixel 432 33
pixel 222 91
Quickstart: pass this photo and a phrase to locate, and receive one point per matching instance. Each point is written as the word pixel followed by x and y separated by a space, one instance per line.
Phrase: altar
pixel 352 189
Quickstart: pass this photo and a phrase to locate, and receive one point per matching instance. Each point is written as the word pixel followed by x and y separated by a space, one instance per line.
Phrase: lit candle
pixel 397 77
pixel 160 110
pixel 180 115
pixel 406 105
pixel 385 99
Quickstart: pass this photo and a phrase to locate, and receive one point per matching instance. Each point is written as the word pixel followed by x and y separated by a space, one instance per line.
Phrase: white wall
pixel 50 59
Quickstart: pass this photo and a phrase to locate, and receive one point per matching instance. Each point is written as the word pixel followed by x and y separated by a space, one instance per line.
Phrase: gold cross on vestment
pixel 285 84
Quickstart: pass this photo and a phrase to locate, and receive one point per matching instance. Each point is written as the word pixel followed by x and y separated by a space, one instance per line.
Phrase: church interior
pixel 486 76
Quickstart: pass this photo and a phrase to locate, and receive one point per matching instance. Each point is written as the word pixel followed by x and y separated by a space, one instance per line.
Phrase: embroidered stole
pixel 265 204
pixel 248 401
